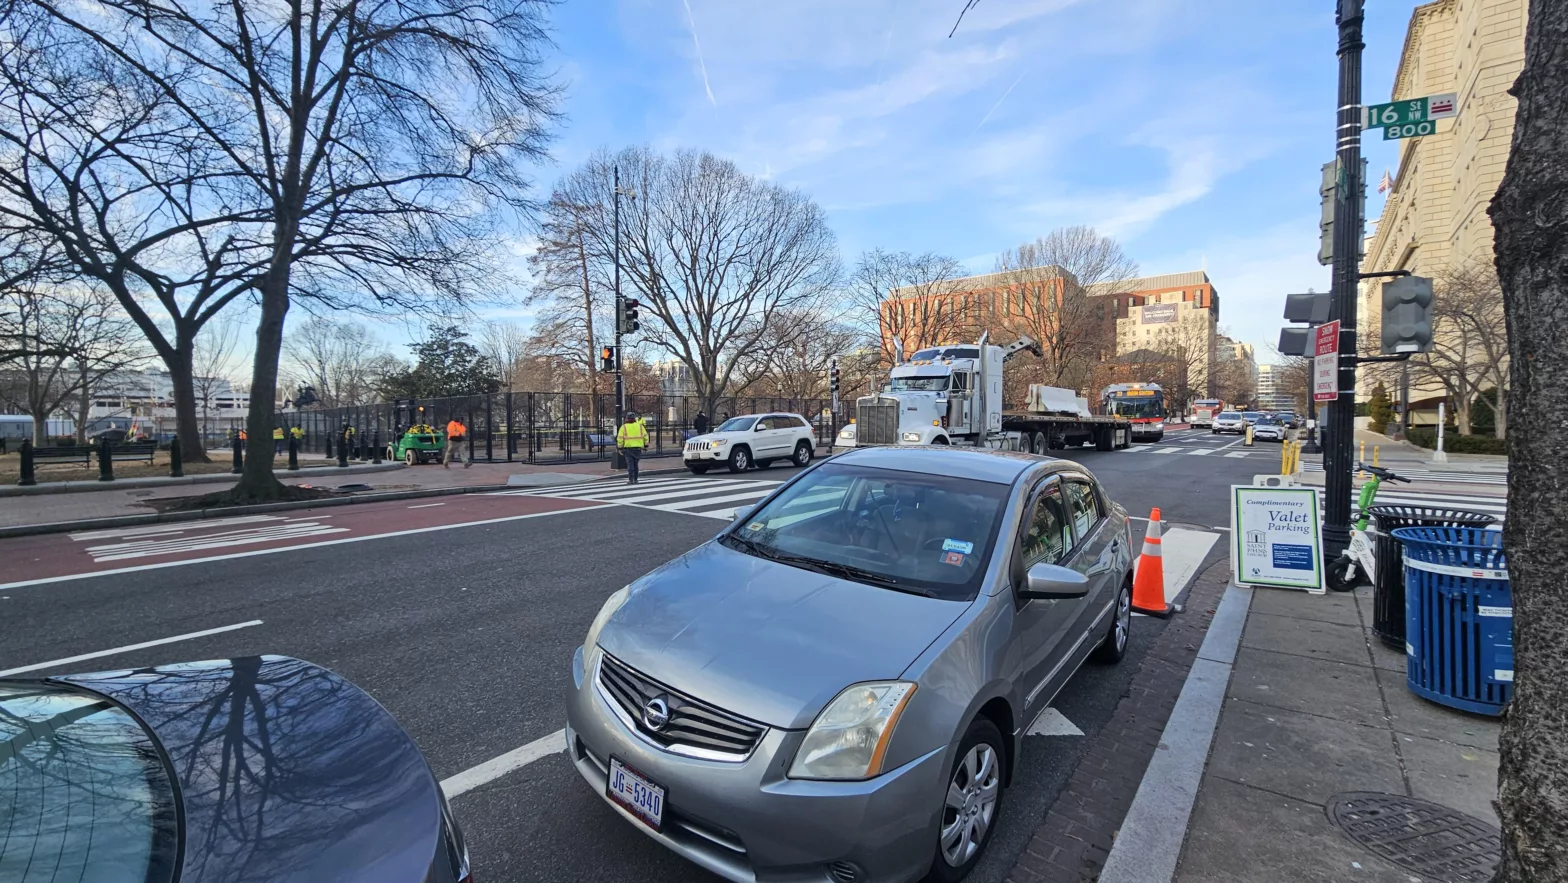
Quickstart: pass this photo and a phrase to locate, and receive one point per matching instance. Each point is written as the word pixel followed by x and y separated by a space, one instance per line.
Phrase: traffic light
pixel 1407 315
pixel 1326 223
pixel 626 316
pixel 607 359
pixel 1311 308
pixel 833 378
pixel 1295 341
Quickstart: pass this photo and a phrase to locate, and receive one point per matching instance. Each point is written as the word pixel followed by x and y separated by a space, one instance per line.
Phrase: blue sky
pixel 1193 131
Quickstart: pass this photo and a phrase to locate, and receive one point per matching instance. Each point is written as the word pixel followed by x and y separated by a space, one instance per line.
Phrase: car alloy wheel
pixel 740 460
pixel 971 804
pixel 1114 646
pixel 802 454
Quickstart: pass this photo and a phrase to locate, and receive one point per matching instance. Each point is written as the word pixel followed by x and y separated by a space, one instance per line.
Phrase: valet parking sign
pixel 1275 537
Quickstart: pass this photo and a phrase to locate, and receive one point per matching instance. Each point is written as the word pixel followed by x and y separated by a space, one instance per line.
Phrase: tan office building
pixel 1435 217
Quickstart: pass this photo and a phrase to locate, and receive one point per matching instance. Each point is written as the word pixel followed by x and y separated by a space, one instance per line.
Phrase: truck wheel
pixel 939 440
pixel 740 459
pixel 1037 443
pixel 410 457
pixel 1103 440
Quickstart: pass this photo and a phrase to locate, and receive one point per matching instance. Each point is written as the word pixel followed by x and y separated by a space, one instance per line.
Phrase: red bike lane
pixel 55 557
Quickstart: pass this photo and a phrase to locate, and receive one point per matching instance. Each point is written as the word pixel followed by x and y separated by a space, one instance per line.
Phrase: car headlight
pixel 611 604
pixel 720 441
pixel 848 740
pixel 911 436
pixel 847 432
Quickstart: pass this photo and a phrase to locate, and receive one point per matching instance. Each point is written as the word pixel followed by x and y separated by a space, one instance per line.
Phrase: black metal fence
pixel 533 427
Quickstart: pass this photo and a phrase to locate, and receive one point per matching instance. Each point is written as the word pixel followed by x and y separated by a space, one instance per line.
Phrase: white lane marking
pixel 1182 550
pixel 601 488
pixel 1052 723
pixel 426 505
pixel 1235 453
pixel 1238 441
pixel 1199 452
pixel 253 552
pixel 496 767
pixel 115 651
pixel 641 497
pixel 1167 450
pixel 181 527
pixel 685 505
pixel 173 545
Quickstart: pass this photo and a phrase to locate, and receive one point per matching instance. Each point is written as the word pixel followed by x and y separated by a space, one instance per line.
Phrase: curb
pixel 25 530
pixel 146 481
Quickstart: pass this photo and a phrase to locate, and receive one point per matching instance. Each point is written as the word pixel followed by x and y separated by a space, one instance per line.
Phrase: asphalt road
pixel 466 633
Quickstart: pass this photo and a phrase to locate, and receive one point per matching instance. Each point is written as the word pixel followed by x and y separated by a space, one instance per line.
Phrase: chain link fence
pixel 532 427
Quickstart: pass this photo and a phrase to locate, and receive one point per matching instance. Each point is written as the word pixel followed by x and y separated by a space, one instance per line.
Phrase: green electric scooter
pixel 1359 561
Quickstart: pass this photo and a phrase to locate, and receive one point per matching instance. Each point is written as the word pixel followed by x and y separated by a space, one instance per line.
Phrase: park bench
pixel 84 453
pixel 600 440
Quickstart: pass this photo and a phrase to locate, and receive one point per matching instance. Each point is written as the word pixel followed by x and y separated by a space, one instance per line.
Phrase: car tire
pixel 763 464
pixel 698 468
pixel 802 456
pixel 740 459
pixel 939 440
pixel 410 458
pixel 981 739
pixel 1114 645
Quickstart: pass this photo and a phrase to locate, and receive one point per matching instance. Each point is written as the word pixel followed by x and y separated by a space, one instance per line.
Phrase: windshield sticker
pixel 954 558
pixel 958 546
pixel 755 525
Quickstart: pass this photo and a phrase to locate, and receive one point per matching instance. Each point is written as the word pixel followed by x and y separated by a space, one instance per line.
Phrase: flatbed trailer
pixel 1039 433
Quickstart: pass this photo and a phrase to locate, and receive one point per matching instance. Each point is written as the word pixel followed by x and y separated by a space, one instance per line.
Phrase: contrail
pixel 698 44
pixel 1000 100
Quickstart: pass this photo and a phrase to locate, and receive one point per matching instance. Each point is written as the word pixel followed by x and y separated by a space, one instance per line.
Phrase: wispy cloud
pixel 697 44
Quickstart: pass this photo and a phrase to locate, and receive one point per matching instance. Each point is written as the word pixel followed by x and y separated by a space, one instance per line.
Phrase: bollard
pixel 239 457
pixel 343 450
pixel 1362 459
pixel 329 446
pixel 1375 449
pixel 176 462
pixel 26 452
pixel 375 447
pixel 1247 441
pixel 1284 458
pixel 105 460
pixel 293 454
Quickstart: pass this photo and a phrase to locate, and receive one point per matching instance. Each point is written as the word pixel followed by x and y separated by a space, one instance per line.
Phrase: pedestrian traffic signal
pixel 626 316
pixel 833 377
pixel 1407 315
pixel 607 359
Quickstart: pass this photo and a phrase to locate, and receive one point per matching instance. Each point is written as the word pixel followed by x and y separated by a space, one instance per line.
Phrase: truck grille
pixel 695 728
pixel 876 422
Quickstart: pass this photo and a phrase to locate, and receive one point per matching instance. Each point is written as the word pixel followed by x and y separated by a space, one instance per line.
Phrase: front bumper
pixel 711 455
pixel 746 821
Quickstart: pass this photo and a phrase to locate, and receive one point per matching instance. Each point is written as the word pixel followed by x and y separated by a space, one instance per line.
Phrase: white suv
pixel 1228 421
pixel 752 439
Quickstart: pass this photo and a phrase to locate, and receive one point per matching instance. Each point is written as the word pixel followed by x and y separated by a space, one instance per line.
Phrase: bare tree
pixel 506 343
pixel 713 254
pixel 1468 312
pixel 1050 290
pixel 69 339
pixel 214 360
pixel 907 298
pixel 569 269
pixel 1190 341
pixel 341 361
pixel 356 154
pixel 1532 252
pixel 798 351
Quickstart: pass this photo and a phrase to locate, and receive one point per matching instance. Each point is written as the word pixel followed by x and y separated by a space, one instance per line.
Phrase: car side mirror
pixel 1052 581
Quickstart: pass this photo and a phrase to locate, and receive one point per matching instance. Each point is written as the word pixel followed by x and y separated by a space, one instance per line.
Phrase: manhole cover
pixel 1421 837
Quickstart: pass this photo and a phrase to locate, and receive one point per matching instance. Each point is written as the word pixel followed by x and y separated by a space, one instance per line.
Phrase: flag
pixel 1386 184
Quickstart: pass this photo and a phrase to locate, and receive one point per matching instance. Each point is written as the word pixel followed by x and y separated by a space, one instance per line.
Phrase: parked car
pixel 835 686
pixel 1268 429
pixel 259 768
pixel 1251 416
pixel 1290 419
pixel 759 439
pixel 1228 421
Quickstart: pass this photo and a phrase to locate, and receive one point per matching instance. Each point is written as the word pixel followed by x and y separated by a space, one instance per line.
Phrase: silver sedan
pixel 836 687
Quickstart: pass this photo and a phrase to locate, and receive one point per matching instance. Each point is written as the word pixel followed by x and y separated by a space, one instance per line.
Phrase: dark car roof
pixel 286 771
pixel 1001 467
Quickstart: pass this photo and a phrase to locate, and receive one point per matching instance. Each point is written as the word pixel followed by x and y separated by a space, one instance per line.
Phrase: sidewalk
pixel 1314 707
pixel 128 501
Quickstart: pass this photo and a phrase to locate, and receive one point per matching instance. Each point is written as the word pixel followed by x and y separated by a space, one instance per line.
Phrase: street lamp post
pixel 620 386
pixel 1340 418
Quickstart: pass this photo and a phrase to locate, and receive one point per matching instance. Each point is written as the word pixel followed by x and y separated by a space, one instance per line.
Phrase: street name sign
pixel 1275 538
pixel 1411 118
pixel 1325 362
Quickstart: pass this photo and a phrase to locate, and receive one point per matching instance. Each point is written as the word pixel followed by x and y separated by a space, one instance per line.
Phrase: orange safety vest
pixel 243 436
pixel 455 429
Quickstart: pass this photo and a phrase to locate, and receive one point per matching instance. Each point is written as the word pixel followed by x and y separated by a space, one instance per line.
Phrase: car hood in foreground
pixel 287 772
pixel 765 640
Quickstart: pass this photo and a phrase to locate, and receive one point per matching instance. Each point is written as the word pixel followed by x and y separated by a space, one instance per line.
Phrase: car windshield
pixel 736 424
pixel 918 384
pixel 1231 415
pixel 88 796
pixel 1251 415
pixel 906 531
pixel 1267 421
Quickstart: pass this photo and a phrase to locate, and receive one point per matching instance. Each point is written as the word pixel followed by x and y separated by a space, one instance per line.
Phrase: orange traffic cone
pixel 1148 583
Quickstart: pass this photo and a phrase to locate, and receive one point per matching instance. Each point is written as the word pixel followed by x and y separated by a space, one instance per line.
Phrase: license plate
pixel 634 791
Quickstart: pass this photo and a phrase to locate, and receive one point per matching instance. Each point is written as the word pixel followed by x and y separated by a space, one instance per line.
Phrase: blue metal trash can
pixel 1459 636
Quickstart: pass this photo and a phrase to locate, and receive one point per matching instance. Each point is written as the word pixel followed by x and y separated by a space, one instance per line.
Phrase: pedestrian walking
pixel 630 439
pixel 298 434
pixel 701 423
pixel 277 441
pixel 456 432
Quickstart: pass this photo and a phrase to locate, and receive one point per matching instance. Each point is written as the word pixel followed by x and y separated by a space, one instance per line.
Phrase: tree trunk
pixel 182 378
pixel 1500 413
pixel 257 482
pixel 84 406
pixel 1530 215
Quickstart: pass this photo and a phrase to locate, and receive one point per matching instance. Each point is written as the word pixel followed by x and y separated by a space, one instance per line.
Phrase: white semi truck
pixel 952 395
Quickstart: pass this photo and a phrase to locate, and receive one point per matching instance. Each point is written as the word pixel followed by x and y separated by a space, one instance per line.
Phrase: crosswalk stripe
pixel 689 505
pixel 1167 450
pixel 760 487
pixel 585 490
pixel 1200 452
pixel 1238 453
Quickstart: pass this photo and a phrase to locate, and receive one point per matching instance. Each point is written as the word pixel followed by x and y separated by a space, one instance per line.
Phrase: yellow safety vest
pixel 297 432
pixel 632 435
pixel 277 434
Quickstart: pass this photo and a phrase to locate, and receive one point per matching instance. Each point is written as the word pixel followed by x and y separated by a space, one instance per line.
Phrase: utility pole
pixel 620 387
pixel 1340 416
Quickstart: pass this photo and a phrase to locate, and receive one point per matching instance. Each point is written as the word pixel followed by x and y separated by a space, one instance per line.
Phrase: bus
pixel 1204 410
pixel 1141 403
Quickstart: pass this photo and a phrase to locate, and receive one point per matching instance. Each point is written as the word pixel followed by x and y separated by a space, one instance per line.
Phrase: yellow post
pixel 1284 458
pixel 1374 455
pixel 1362 458
pixel 1295 457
